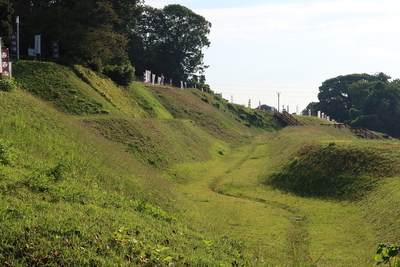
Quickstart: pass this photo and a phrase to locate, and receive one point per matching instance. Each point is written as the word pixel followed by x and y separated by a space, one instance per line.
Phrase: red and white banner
pixel 5 63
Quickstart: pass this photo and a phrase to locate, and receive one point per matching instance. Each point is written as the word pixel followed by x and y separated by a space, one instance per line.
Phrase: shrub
pixel 7 84
pixel 120 74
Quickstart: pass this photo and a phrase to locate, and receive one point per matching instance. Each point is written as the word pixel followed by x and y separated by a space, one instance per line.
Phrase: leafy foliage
pixel 334 97
pixel 6 12
pixel 387 254
pixel 362 100
pixel 8 84
pixel 169 41
pixel 92 33
pixel 122 74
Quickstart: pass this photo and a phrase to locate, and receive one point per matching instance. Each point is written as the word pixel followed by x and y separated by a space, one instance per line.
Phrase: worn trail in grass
pixel 224 197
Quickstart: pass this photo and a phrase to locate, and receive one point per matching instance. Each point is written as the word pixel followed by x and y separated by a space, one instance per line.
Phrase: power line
pixel 264 86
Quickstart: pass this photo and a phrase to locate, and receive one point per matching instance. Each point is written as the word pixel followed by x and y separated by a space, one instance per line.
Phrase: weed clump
pixel 332 172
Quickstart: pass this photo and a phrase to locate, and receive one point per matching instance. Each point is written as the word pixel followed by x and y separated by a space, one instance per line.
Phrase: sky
pixel 262 48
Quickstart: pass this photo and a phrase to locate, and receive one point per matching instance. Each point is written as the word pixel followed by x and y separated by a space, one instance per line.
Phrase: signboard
pixel 32 52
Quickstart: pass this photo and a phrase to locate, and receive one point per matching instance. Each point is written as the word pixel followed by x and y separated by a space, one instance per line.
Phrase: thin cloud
pixel 336 20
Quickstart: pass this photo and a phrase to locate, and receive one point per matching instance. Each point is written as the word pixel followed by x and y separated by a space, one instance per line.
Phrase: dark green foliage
pixel 169 41
pixel 91 33
pixel 334 95
pixel 371 122
pixel 332 172
pixel 122 74
pixel 387 254
pixel 362 100
pixel 7 84
pixel 6 19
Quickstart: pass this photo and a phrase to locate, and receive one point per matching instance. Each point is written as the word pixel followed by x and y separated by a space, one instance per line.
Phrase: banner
pixel 38 44
pixel 10 69
pixel 13 48
pixel 147 76
pixel 56 49
pixel 5 62
pixel 1 64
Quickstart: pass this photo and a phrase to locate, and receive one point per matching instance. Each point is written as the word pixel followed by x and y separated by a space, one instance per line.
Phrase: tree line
pixel 361 100
pixel 120 38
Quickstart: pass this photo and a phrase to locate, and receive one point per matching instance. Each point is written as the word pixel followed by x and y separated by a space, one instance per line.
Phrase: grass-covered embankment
pixel 84 179
pixel 92 174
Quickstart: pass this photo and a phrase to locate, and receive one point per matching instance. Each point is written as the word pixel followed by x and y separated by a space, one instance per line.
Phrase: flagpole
pixel 17 21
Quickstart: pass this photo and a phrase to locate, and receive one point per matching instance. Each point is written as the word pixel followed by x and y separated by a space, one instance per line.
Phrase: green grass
pixel 175 177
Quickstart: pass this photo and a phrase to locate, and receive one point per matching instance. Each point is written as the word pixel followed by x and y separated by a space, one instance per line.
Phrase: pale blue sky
pixel 259 48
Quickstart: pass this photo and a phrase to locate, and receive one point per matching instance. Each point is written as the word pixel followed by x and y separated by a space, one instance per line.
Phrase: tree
pixel 90 32
pixel 313 106
pixel 6 12
pixel 384 102
pixel 334 96
pixel 169 41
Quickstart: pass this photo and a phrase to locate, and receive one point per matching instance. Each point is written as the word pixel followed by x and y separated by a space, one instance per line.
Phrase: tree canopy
pixel 6 12
pixel 335 98
pixel 362 100
pixel 111 36
pixel 169 41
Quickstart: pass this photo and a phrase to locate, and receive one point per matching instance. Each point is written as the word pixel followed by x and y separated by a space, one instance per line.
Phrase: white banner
pixel 38 43
pixel 10 69
pixel 147 76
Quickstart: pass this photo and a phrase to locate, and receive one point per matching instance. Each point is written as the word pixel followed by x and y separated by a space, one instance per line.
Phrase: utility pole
pixel 278 93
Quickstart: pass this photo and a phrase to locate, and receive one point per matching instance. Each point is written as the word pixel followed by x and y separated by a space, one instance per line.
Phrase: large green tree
pixel 170 41
pixel 91 32
pixel 383 102
pixel 334 96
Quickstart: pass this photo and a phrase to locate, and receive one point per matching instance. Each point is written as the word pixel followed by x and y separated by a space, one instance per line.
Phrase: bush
pixel 7 84
pixel 121 74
